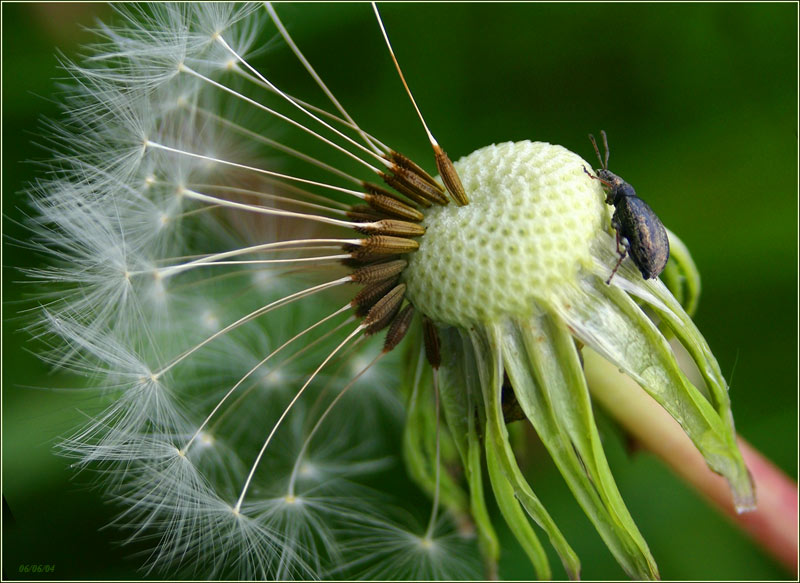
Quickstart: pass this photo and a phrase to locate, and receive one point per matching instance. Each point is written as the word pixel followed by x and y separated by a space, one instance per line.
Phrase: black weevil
pixel 638 228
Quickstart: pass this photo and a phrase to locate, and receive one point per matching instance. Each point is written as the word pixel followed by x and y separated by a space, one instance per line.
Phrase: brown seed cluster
pixel 391 219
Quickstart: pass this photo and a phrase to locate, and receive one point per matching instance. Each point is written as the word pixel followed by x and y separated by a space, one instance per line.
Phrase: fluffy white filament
pixel 191 278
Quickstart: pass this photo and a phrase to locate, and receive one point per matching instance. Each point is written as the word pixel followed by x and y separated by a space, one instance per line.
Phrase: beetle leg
pixel 622 250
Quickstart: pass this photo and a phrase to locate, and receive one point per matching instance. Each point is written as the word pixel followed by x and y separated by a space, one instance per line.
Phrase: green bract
pixel 516 280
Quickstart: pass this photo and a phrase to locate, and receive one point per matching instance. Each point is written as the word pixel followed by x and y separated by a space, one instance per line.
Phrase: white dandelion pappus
pixel 205 286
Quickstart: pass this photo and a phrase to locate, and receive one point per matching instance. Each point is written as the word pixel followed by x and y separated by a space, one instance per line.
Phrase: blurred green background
pixel 700 105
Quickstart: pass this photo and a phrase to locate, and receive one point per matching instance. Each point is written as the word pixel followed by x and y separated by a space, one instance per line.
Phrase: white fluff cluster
pixel 158 291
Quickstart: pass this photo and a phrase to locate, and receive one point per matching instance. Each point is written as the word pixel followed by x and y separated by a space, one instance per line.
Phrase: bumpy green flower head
pixel 527 230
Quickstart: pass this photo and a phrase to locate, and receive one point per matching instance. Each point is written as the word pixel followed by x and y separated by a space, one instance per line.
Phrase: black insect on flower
pixel 639 230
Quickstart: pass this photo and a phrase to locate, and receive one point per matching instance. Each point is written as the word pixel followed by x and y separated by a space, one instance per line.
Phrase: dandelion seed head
pixel 390 549
pixel 247 388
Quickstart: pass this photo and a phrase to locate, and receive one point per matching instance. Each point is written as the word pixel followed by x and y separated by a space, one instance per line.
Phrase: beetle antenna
pixel 593 177
pixel 605 145
pixel 597 151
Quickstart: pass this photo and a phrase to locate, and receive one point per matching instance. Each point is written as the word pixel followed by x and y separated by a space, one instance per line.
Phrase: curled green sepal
pixel 515 518
pixel 488 358
pixel 544 368
pixel 681 275
pixel 460 397
pixel 739 478
pixel 609 321
pixel 419 444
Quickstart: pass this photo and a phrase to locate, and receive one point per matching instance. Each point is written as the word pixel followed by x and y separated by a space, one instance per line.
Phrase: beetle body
pixel 646 236
pixel 639 230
